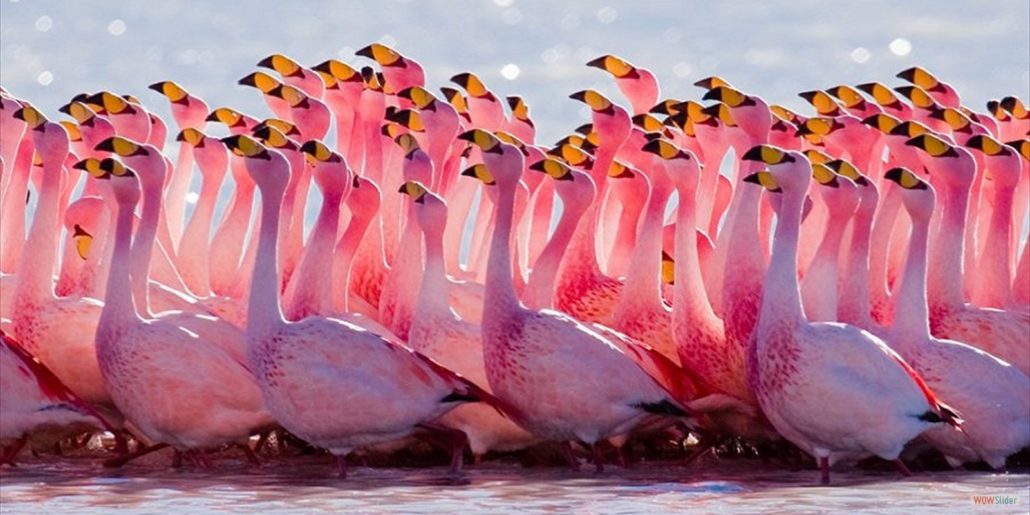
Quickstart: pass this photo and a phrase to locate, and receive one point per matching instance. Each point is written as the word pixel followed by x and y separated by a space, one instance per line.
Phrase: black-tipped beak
pixel 249 80
pixel 579 95
pixel 654 146
pixel 808 95
pixel 469 136
pixel 461 79
pixel 908 74
pixel 597 63
pixel 753 179
pixel 755 154
pixel 157 86
pixel 105 146
pixel 365 52
pixel 309 147
pixel 712 94
pixel 469 172
pixel 266 63
pixel 894 174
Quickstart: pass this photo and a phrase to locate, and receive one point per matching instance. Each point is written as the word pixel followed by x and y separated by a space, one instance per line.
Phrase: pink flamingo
pixel 83 219
pixel 386 391
pixel 213 161
pixel 35 404
pixel 189 112
pixel 639 85
pixel 1001 333
pixel 526 350
pixel 583 291
pixel 401 72
pixel 993 397
pixel 942 92
pixel 49 327
pixel 796 375
pixel 343 87
pixel 295 75
pixel 819 287
pixel 439 333
pixel 993 287
pixel 174 387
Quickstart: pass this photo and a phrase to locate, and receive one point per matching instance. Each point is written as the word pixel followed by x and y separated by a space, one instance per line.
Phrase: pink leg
pixel 452 440
pixel 824 471
pixel 122 460
pixel 902 468
pixel 570 458
pixel 341 466
pixel 11 452
pixel 251 455
pixel 262 440
pixel 598 458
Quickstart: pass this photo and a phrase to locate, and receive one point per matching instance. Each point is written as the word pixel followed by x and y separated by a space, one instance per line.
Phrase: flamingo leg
pixel 902 468
pixel 570 458
pixel 11 452
pixel 341 466
pixel 452 440
pixel 251 455
pixel 824 470
pixel 125 458
pixel 598 458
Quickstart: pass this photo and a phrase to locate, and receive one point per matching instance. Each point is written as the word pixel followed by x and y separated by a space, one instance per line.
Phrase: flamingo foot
pixel 125 458
pixel 824 471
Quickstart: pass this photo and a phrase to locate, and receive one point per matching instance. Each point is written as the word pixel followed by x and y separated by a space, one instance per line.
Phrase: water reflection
pixel 54 484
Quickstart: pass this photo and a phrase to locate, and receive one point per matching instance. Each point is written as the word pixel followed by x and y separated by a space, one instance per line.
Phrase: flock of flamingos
pixel 855 282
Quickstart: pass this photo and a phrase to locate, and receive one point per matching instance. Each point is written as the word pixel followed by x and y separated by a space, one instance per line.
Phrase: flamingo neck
pixel 854 305
pixel 500 301
pixel 996 279
pixel 38 256
pixel 781 298
pixel 175 202
pixel 689 290
pixel 432 296
pixel 643 288
pixel 821 279
pixel 263 312
pixel 119 310
pixel 911 320
pixel 143 246
pixel 306 293
pixel 194 244
pixel 346 248
pixel 944 287
pixel 539 292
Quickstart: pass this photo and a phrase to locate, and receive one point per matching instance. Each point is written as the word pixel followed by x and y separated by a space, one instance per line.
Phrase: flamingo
pixel 1001 333
pixel 381 391
pixel 52 328
pixel 993 396
pixel 35 404
pixel 639 85
pixel 189 112
pixel 439 333
pixel 294 74
pixel 401 72
pixel 173 386
pixel 1004 167
pixel 796 366
pixel 526 351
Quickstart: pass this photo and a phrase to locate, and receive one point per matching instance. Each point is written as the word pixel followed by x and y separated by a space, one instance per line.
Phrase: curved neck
pixel 263 311
pixel 944 287
pixel 854 306
pixel 38 254
pixel 194 245
pixel 911 320
pixel 346 248
pixel 500 301
pixel 643 288
pixel 539 292
pixel 689 290
pixel 781 299
pixel 119 310
pixel 306 293
pixel 143 246
pixel 432 296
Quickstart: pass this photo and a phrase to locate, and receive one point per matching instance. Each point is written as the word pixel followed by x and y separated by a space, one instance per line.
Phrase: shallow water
pixel 62 485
